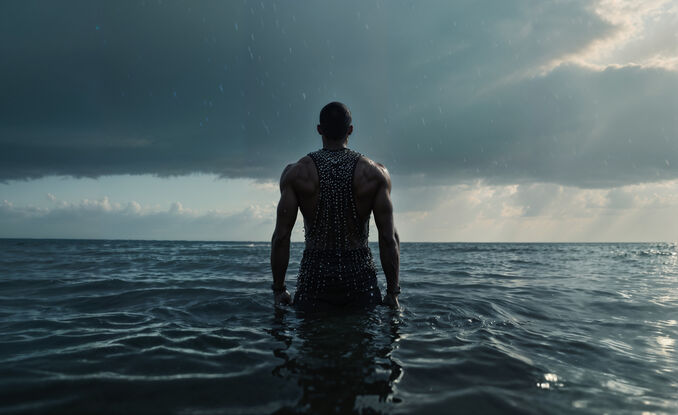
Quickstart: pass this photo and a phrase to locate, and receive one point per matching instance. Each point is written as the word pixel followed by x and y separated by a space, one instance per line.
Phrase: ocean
pixel 485 328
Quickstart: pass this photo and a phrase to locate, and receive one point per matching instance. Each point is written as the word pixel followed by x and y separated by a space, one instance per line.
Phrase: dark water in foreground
pixel 188 327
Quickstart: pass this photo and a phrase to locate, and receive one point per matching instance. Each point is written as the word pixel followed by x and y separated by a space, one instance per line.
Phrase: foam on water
pixel 188 327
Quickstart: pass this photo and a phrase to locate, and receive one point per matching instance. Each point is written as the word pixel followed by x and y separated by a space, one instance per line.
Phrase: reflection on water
pixel 189 328
pixel 342 363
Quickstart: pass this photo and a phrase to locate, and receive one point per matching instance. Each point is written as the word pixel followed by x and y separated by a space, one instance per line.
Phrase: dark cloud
pixel 436 89
pixel 573 126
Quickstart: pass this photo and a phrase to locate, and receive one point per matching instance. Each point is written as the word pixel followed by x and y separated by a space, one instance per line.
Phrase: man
pixel 336 190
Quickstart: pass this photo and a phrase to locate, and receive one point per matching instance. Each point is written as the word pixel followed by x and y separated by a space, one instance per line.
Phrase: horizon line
pixel 301 242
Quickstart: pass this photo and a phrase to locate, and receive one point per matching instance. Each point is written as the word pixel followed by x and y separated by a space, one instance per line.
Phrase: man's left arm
pixel 280 242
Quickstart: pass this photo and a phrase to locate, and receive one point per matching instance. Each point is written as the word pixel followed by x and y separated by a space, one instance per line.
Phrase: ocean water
pixel 189 328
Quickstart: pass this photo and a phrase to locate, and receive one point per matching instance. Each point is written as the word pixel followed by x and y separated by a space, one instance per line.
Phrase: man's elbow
pixel 388 239
pixel 280 238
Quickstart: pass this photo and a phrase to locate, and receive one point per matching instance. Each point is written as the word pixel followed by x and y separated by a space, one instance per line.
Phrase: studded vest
pixel 337 264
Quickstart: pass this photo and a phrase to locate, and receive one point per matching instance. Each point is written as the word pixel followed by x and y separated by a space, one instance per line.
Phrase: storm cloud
pixel 497 91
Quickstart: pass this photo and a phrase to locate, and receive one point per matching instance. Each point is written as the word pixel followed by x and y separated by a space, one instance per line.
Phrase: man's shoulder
pixel 373 169
pixel 296 171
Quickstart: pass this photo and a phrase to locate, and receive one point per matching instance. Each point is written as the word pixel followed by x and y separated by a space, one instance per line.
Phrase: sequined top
pixel 337 267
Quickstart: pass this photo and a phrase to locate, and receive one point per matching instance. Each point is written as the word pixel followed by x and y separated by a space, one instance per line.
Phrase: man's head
pixel 335 121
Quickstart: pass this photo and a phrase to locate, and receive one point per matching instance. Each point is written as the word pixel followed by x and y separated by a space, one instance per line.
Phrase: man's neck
pixel 334 144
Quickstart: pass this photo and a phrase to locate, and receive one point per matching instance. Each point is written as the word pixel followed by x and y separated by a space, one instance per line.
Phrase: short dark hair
pixel 335 118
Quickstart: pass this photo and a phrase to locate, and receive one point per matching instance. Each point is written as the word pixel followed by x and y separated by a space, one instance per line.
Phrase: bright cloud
pixel 540 212
pixel 104 218
pixel 475 211
pixel 646 35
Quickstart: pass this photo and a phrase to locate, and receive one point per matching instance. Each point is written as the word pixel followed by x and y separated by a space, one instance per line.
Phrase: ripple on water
pixel 188 327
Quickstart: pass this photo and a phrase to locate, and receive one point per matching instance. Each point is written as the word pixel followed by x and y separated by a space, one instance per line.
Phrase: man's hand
pixel 282 298
pixel 391 300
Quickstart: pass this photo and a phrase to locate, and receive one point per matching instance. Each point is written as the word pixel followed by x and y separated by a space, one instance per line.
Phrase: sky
pixel 521 120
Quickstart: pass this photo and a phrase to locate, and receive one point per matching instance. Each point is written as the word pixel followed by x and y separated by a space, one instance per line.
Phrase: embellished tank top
pixel 337 267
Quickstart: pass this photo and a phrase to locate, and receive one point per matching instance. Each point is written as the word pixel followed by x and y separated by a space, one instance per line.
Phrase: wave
pixel 190 327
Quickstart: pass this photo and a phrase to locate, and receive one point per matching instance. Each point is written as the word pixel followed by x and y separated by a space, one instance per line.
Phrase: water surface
pixel 189 328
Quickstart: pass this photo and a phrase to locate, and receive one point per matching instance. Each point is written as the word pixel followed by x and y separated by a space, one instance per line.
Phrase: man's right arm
pixel 389 242
pixel 280 242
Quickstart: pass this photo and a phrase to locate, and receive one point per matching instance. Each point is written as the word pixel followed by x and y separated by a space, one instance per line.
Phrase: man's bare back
pixel 300 190
pixel 369 177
